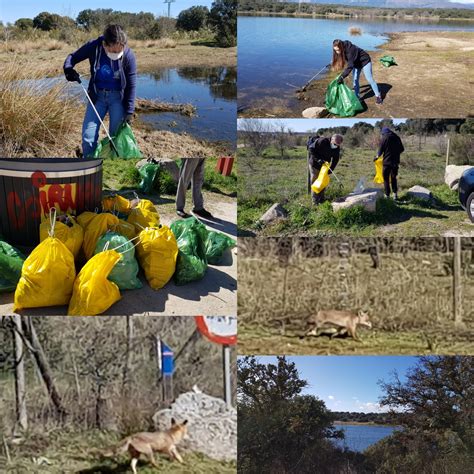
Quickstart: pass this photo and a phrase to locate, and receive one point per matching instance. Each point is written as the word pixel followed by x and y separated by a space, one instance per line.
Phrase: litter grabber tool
pixel 313 78
pixel 98 116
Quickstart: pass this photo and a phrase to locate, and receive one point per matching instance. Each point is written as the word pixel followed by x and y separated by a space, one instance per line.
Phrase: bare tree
pixel 20 385
pixel 256 134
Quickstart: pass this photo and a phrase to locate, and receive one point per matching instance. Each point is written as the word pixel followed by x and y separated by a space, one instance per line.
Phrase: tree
pixel 223 18
pixel 467 128
pixel 46 21
pixel 21 424
pixel 24 23
pixel 85 19
pixel 192 19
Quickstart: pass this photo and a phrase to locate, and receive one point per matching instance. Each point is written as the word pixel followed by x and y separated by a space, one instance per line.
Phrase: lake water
pixel 212 90
pixel 360 437
pixel 275 53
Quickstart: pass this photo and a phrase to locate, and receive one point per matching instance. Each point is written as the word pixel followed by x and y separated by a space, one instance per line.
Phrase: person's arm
pixel 335 160
pixel 381 149
pixel 402 148
pixel 79 55
pixel 131 87
pixel 351 54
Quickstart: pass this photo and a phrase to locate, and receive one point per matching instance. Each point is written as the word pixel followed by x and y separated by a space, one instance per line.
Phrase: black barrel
pixel 29 187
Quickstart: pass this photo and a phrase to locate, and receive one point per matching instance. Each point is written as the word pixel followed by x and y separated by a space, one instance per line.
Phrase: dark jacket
pixel 321 151
pixel 391 147
pixel 128 70
pixel 355 57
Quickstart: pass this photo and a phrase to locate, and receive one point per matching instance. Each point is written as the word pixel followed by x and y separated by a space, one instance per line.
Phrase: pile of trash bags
pixel 342 101
pixel 114 244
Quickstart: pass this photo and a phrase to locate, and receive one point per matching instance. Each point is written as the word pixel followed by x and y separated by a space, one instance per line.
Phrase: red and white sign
pixel 218 329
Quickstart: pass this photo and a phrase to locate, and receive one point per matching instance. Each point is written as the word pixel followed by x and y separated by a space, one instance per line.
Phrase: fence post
pixel 447 152
pixel 457 281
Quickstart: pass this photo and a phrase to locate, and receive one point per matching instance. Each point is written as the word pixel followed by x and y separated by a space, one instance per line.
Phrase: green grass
pixel 268 179
pixel 67 451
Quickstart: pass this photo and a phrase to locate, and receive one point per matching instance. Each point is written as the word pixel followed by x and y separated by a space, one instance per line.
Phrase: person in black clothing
pixel 353 59
pixel 391 147
pixel 321 149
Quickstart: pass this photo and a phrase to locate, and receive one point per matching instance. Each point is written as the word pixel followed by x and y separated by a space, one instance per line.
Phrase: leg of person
pixel 314 172
pixel 386 172
pixel 197 183
pixel 367 70
pixel 116 111
pixel 188 165
pixel 355 79
pixel 91 125
pixel 394 174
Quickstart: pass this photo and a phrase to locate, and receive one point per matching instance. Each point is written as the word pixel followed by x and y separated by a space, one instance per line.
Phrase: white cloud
pixel 370 407
pixel 331 397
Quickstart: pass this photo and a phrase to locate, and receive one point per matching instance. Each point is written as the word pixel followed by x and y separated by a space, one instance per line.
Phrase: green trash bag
pixel 125 143
pixel 388 61
pixel 341 101
pixel 148 173
pixel 11 262
pixel 216 244
pixel 191 237
pixel 124 273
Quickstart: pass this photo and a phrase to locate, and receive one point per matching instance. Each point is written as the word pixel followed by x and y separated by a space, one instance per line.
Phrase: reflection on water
pixel 276 55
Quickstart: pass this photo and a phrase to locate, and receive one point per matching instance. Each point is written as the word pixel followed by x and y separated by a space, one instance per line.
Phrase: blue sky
pixel 306 125
pixel 10 11
pixel 348 383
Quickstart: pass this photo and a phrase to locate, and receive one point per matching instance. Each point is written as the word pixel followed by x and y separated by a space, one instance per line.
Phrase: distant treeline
pixel 378 418
pixel 289 8
pixel 220 20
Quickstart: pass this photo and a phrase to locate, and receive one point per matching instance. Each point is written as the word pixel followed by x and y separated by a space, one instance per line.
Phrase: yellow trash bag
pixel 95 229
pixel 47 276
pixel 126 229
pixel 378 179
pixel 93 293
pixel 65 228
pixel 322 180
pixel 157 253
pixel 84 219
pixel 144 215
pixel 116 203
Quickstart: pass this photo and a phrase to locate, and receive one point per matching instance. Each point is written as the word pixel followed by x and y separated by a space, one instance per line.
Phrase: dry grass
pixel 29 46
pixel 34 117
pixel 163 43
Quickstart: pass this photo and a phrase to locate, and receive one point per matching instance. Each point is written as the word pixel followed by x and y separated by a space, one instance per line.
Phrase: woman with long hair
pixel 112 83
pixel 348 57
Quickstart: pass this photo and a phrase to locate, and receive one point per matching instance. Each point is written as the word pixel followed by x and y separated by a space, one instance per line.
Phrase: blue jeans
pixel 367 70
pixel 107 101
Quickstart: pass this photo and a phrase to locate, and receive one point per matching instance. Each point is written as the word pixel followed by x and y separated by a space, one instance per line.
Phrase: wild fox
pixel 148 443
pixel 339 322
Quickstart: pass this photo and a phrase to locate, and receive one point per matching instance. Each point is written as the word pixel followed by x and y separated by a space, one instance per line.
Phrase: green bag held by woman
pixel 124 141
pixel 341 101
pixel 11 262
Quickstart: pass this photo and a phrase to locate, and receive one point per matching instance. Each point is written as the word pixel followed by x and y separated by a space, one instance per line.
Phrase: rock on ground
pixel 315 112
pixel 420 192
pixel 277 211
pixel 368 199
pixel 452 175
pixel 212 427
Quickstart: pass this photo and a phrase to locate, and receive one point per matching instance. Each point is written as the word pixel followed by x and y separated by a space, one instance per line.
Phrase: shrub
pixel 192 19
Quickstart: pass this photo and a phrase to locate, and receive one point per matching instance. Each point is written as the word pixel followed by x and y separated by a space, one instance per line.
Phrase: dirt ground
pixel 433 79
pixel 214 295
pixel 150 56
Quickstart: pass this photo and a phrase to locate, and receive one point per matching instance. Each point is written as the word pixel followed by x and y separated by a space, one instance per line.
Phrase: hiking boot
pixel 202 213
pixel 379 100
pixel 182 214
pixel 395 197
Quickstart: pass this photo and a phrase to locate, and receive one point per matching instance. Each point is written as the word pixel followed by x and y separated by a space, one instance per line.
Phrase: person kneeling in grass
pixel 112 83
pixel 191 172
pixel 391 147
pixel 355 60
pixel 321 149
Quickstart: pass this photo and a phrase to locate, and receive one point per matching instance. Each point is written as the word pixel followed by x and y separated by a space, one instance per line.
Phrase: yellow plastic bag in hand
pixel 116 203
pixel 95 229
pixel 47 276
pixel 322 180
pixel 93 293
pixel 69 232
pixel 157 253
pixel 378 179
pixel 144 215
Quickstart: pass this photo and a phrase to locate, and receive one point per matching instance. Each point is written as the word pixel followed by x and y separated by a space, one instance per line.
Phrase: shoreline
pixel 333 16
pixel 363 423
